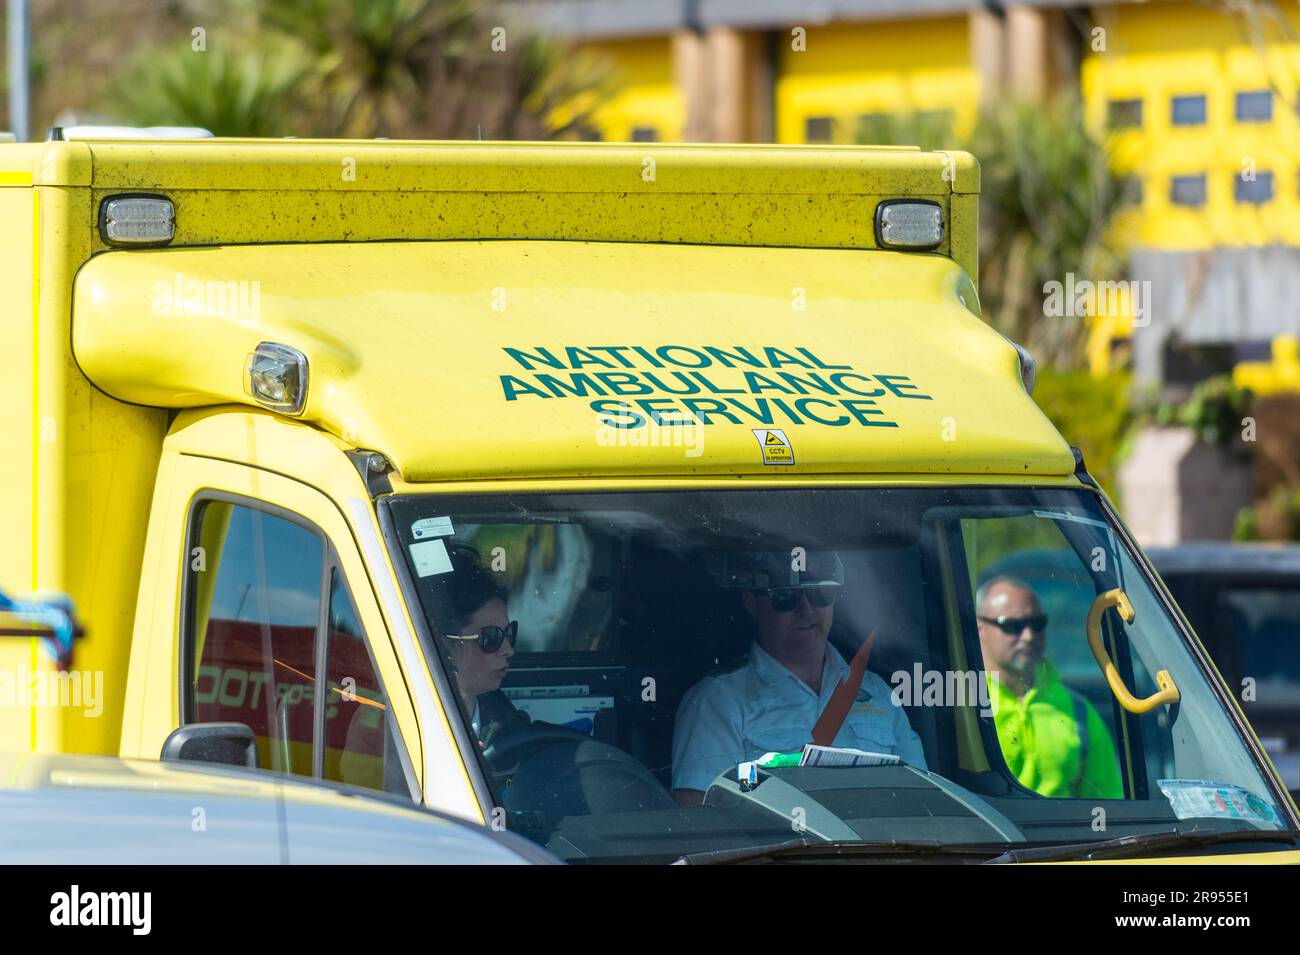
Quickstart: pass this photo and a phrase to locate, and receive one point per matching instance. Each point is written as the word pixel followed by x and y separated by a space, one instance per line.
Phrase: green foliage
pixel 232 91
pixel 1245 528
pixel 990 540
pixel 1276 517
pixel 402 69
pixel 930 130
pixel 1048 196
pixel 1214 411
pixel 1092 412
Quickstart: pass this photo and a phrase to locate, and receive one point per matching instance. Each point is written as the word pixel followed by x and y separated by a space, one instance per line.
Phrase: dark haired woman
pixel 480 640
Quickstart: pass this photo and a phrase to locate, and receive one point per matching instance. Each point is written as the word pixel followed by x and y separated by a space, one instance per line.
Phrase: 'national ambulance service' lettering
pixel 816 393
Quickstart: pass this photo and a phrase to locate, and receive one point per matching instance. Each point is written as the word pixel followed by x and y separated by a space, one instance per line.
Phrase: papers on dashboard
pixel 814 755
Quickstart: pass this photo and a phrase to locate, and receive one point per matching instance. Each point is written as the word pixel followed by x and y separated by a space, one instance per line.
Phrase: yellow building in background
pixel 1202 105
pixel 646 105
pixel 1199 101
pixel 849 72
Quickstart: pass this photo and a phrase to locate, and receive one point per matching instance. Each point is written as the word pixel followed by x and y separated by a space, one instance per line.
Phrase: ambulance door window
pixel 253 602
pixel 1032 595
pixel 360 746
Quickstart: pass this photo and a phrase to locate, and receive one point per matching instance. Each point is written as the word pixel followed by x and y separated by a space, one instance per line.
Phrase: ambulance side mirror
pixel 231 744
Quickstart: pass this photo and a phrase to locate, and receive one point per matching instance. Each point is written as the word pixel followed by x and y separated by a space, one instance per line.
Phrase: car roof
pixel 1227 558
pixel 65 809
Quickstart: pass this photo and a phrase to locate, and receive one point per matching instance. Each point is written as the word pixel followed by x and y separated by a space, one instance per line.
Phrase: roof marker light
pixel 275 376
pixel 137 220
pixel 914 224
pixel 88 132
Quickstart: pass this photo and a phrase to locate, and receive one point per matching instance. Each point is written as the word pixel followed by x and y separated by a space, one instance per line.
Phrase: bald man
pixel 1054 740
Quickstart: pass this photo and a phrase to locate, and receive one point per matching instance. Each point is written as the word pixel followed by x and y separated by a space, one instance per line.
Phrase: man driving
pixel 772 699
pixel 1053 740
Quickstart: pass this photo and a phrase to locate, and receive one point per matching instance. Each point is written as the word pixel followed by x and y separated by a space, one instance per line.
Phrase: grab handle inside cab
pixel 1168 692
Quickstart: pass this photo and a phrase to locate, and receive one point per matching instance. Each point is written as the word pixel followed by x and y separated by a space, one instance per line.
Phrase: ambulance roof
pixel 472 359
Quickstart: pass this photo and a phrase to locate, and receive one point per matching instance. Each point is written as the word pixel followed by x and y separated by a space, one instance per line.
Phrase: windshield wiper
pixel 1142 843
pixel 989 853
pixel 810 849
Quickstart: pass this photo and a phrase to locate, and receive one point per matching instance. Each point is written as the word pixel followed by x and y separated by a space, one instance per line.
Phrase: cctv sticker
pixel 776 446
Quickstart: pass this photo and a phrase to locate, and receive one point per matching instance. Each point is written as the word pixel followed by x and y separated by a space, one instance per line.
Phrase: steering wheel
pixel 562 772
pixel 504 748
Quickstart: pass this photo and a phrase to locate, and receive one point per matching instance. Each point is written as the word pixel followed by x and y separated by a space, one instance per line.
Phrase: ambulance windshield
pixel 654 674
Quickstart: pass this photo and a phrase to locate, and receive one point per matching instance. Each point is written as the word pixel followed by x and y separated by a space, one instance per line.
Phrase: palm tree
pixel 1048 200
pixel 231 91
pixel 422 69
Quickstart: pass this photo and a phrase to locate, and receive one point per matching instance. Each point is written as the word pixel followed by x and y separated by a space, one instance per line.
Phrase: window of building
pixel 1255 106
pixel 1130 190
pixel 818 129
pixel 1187 190
pixel 645 134
pixel 1187 110
pixel 1254 191
pixel 1122 113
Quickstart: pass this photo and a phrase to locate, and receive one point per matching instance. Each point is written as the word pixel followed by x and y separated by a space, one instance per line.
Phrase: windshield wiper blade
pixel 1140 843
pixel 814 848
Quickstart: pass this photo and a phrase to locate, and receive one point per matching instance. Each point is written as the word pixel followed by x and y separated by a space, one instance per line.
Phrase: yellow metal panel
pixel 783 218
pixel 77 481
pixel 964 216
pixel 296 467
pixel 717 482
pixel 24 164
pixel 245 191
pixel 409 344
pixel 304 165
pixel 95 459
pixel 1210 858
pixel 19 279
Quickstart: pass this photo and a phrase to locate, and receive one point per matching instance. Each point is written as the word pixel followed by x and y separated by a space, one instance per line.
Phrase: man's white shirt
pixel 762 707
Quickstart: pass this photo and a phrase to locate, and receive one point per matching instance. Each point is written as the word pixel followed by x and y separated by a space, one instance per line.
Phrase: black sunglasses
pixel 1015 625
pixel 786 599
pixel 491 638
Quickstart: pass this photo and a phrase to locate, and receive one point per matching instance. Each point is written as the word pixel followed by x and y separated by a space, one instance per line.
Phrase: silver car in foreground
pixel 79 810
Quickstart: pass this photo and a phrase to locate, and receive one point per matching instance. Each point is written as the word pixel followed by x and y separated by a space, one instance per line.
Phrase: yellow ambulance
pixel 654 502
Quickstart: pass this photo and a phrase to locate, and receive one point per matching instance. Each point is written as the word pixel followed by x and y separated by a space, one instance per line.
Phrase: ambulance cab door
pixel 258 611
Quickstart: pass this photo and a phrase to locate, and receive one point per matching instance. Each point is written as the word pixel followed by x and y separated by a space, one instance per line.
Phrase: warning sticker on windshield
pixel 776 446
pixel 1200 799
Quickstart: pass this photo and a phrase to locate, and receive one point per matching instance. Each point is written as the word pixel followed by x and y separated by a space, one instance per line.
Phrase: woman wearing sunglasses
pixel 479 638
